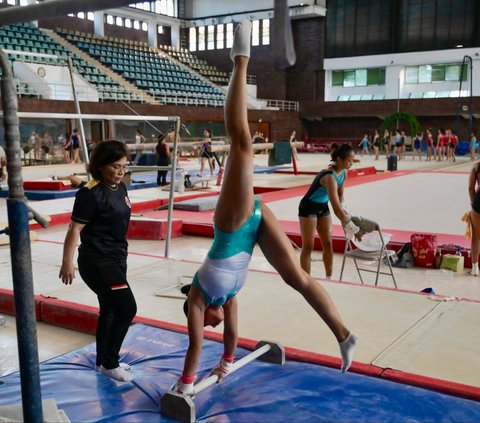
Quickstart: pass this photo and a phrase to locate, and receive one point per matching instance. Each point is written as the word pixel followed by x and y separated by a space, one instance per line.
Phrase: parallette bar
pixel 211 380
pixel 182 408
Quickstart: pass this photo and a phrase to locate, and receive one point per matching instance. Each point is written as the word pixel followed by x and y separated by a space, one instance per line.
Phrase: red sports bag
pixel 424 248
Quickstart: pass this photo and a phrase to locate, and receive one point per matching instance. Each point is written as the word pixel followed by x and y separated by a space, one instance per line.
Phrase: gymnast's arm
pixel 333 195
pixel 196 316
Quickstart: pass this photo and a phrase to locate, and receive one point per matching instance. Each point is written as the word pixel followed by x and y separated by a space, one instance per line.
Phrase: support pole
pixel 20 253
pixel 172 185
pixel 182 408
pixel 83 140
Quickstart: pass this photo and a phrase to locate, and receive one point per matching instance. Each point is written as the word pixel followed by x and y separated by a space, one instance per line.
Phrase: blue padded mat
pixel 259 392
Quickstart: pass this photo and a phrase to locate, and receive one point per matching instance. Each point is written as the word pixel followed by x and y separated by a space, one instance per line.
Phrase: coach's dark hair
pixel 341 152
pixel 104 153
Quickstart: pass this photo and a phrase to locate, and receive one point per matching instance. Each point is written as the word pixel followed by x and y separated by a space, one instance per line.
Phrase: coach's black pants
pixel 108 279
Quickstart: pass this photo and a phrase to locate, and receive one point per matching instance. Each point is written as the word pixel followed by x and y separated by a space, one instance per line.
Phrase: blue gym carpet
pixel 258 392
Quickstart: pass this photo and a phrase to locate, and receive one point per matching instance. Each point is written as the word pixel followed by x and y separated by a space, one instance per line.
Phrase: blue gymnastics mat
pixel 258 392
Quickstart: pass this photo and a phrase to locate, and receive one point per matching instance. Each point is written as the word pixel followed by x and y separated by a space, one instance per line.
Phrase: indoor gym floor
pixel 416 334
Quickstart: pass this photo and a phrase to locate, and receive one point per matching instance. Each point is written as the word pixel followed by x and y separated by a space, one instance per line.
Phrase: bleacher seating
pixel 28 38
pixel 201 66
pixel 149 70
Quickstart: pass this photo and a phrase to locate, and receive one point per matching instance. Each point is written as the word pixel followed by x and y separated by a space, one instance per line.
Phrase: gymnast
pixel 239 223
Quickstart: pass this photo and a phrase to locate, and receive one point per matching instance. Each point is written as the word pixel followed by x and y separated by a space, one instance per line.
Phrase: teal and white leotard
pixel 224 271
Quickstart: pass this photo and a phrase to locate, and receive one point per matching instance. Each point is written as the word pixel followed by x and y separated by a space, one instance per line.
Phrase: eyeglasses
pixel 119 168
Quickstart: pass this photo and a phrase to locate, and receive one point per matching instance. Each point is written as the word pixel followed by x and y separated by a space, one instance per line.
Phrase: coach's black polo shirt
pixel 105 211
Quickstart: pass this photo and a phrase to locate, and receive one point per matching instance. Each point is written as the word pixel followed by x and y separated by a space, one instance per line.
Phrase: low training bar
pixel 211 380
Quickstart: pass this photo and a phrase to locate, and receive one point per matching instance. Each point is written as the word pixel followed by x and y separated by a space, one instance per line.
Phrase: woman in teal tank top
pixel 240 223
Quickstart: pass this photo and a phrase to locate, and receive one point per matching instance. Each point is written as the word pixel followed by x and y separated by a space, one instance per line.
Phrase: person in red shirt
pixel 440 145
pixel 452 145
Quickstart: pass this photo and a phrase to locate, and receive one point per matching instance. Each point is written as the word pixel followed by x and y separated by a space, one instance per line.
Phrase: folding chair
pixel 372 252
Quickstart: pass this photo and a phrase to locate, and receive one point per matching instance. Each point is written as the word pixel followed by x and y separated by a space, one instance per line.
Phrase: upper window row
pixel 358 77
pixel 425 74
pixel 119 21
pixel 214 37
pixel 163 7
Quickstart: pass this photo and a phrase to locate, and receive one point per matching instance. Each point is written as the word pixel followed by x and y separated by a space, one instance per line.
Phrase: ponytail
pixel 341 152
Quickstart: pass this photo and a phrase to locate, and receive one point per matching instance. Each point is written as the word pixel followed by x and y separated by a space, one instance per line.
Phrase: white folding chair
pixel 373 250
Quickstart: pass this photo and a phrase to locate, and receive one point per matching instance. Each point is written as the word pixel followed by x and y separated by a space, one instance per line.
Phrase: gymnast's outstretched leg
pixel 279 252
pixel 235 204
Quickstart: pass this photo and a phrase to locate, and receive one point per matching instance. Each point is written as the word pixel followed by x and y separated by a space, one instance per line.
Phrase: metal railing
pixel 284 105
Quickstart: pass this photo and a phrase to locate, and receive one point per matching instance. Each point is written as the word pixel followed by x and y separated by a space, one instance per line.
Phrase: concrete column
pixel 35 23
pixel 152 33
pixel 98 23
pixel 175 33
pixel 394 81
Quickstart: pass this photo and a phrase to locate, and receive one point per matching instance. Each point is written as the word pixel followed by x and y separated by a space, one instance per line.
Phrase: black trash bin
pixel 392 162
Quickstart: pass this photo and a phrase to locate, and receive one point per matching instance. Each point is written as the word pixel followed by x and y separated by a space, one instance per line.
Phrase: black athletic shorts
pixel 476 202
pixel 309 208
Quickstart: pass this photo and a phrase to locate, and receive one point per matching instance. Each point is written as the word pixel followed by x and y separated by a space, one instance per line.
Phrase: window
pixel 255 33
pixel 337 78
pixel 90 16
pixel 210 37
pixel 144 26
pixel 81 15
pixel 192 39
pixel 452 73
pixel 220 36
pixel 435 73
pixel 265 32
pixel 136 24
pixel 424 74
pixel 438 73
pixel 110 19
pixel 358 77
pixel 128 23
pixel 160 29
pixel 376 76
pixel 349 78
pixel 201 38
pixel 411 75
pixel 361 78
pixel 229 35
pixel 118 21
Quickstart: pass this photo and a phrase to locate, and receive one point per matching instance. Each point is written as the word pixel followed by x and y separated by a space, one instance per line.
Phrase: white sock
pixel 117 373
pixel 474 271
pixel 346 350
pixel 328 277
pixel 124 366
pixel 241 40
